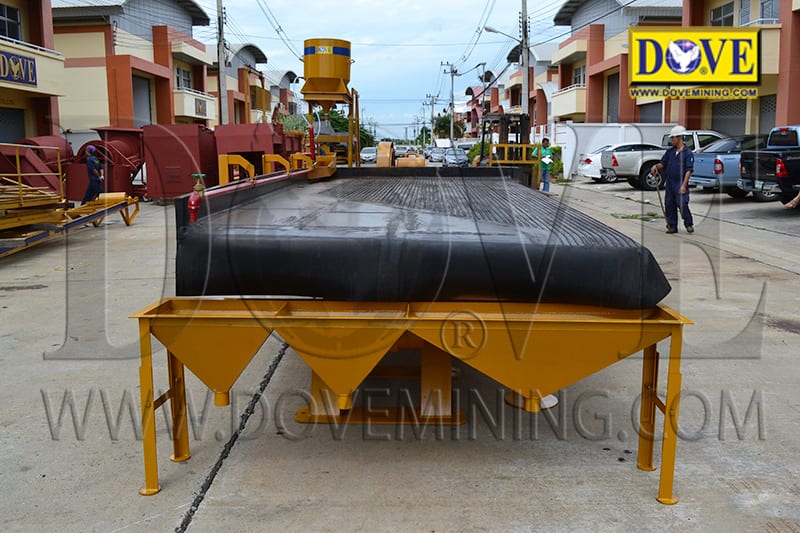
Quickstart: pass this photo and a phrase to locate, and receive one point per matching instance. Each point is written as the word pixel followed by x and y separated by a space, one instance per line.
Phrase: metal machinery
pixel 533 348
pixel 33 207
pixel 174 152
pixel 326 64
pixel 120 152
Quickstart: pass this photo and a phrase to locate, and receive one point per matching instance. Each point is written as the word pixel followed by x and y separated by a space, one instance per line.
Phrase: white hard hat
pixel 676 131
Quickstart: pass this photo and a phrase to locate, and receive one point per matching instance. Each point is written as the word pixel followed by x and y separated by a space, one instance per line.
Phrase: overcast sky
pixel 398 45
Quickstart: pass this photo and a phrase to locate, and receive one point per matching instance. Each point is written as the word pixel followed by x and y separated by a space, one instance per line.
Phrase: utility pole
pixel 483 108
pixel 222 83
pixel 525 74
pixel 433 104
pixel 452 73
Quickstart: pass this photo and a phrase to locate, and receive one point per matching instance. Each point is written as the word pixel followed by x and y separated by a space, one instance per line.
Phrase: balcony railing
pixel 762 22
pixel 29 45
pixel 195 104
pixel 569 101
pixel 570 87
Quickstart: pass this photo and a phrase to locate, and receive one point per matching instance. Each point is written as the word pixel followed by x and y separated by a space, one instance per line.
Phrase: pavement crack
pixel 226 450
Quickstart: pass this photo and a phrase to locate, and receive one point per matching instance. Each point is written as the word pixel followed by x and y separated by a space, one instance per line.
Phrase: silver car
pixel 369 154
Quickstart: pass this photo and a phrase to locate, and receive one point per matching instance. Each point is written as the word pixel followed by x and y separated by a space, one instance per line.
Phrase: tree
pixel 442 127
pixel 424 136
pixel 338 122
pixel 294 123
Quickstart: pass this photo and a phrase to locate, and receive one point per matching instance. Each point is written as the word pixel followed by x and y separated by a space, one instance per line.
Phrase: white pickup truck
pixel 635 164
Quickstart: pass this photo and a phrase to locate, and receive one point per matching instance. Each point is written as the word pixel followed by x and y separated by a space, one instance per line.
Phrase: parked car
pixel 717 166
pixel 455 157
pixel 626 160
pixel 400 150
pixel 369 154
pixel 589 164
pixel 466 146
pixel 776 168
pixel 436 155
pixel 635 165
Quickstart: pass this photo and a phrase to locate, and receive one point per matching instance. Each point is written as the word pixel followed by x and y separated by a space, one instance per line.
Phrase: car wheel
pixel 765 196
pixel 649 182
pixel 736 193
pixel 610 178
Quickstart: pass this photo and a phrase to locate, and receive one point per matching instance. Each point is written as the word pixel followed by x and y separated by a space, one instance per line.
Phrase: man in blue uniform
pixel 679 164
pixel 95 171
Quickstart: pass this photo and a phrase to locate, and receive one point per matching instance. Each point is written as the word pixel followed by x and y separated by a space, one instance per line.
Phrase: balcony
pixel 195 104
pixel 570 101
pixel 571 52
pixel 770 44
pixel 30 68
pixel 189 53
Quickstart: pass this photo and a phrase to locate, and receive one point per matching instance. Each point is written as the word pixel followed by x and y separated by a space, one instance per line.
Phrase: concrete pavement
pixel 737 466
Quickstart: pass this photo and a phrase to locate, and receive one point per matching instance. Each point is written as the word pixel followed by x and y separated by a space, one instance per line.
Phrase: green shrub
pixel 557 168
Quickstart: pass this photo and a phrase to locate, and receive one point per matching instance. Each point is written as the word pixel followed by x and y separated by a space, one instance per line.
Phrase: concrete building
pixel 254 92
pixel 132 62
pixel 31 71
pixel 780 44
pixel 593 63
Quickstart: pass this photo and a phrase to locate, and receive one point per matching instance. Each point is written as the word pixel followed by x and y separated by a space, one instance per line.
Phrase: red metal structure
pixel 121 153
pixel 39 166
pixel 174 152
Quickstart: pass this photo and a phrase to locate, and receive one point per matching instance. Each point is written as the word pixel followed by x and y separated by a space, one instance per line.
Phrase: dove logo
pixel 694 55
pixel 17 69
pixel 683 56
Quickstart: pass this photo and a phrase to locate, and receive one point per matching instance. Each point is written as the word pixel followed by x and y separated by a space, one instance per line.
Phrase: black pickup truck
pixel 776 168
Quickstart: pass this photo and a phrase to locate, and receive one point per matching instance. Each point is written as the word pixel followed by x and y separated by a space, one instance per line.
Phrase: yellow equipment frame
pixel 518 154
pixel 532 349
pixel 56 220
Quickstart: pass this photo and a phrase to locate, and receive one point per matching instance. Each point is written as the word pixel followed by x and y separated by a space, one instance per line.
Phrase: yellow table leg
pixel 669 442
pixel 180 426
pixel 647 416
pixel 148 411
pixel 436 383
pixel 324 400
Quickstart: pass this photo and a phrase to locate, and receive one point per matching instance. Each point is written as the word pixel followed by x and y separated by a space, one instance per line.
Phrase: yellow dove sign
pixel 694 55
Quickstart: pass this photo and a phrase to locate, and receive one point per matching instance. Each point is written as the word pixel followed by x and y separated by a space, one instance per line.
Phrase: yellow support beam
pixel 267 161
pixel 531 349
pixel 224 163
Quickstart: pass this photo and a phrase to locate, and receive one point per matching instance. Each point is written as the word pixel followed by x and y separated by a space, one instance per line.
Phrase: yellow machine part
pixel 226 161
pixel 531 349
pixel 411 160
pixel 385 154
pixel 326 69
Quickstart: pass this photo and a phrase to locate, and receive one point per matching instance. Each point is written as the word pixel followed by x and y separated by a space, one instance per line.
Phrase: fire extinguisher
pixel 196 198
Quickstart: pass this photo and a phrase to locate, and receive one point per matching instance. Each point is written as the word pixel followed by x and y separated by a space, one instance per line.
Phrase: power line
pixel 277 27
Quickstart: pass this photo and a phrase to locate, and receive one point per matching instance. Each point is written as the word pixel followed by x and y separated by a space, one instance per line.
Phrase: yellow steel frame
pixel 15 194
pixel 518 154
pixel 522 346
pixel 224 163
pixel 58 220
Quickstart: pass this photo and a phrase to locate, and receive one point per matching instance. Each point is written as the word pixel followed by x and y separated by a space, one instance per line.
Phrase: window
pixel 744 12
pixel 722 15
pixel 705 140
pixel 579 75
pixel 183 78
pixel 10 25
pixel 769 10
